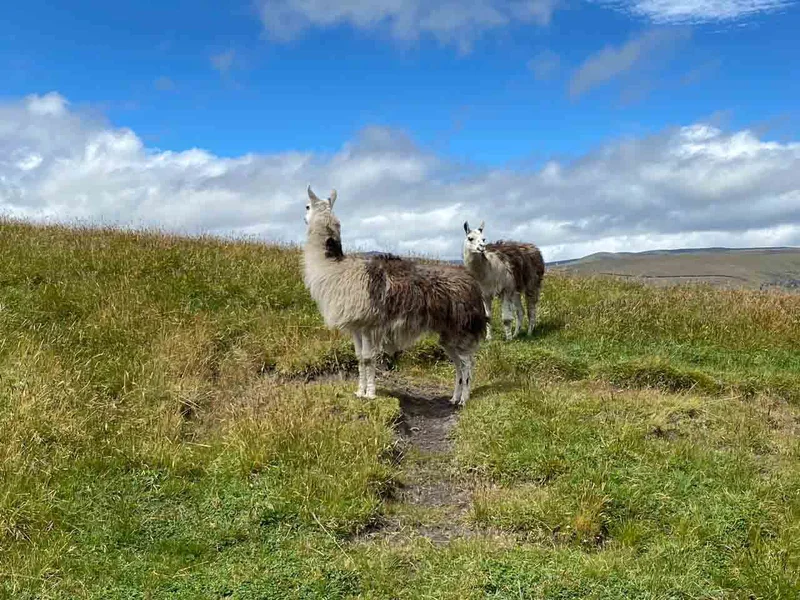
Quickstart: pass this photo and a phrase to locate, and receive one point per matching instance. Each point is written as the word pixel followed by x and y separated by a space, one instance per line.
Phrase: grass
pixel 158 437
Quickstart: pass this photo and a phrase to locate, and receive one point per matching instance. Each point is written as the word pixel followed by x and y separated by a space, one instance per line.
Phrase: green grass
pixel 158 438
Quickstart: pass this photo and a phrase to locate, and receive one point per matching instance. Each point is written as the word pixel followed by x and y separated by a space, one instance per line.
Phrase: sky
pixel 581 126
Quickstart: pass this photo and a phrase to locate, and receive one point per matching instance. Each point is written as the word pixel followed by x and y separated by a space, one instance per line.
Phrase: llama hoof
pixel 457 401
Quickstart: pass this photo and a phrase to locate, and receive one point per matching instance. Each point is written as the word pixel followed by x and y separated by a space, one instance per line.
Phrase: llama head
pixel 475 242
pixel 316 207
pixel 323 226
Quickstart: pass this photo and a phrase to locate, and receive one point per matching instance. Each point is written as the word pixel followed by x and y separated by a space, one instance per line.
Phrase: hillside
pixel 176 422
pixel 752 268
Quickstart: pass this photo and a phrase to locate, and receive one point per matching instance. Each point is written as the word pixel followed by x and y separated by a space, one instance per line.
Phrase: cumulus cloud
pixel 611 61
pixel 695 185
pixel 48 104
pixel 457 22
pixel 698 11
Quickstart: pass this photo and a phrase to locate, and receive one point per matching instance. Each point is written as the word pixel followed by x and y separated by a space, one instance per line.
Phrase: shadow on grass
pixel 425 419
pixel 544 328
pixel 497 387
pixel 419 404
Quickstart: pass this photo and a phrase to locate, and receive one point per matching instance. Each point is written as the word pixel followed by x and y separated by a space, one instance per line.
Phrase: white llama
pixel 385 300
pixel 507 269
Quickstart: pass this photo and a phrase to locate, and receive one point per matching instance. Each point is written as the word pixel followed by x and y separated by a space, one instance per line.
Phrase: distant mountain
pixel 764 267
pixel 678 251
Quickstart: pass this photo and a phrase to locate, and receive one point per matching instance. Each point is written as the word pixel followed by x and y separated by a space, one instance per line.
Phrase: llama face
pixel 316 207
pixel 475 242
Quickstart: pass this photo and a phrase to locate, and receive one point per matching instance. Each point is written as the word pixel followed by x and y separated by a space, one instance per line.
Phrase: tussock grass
pixel 658 374
pixel 158 439
pixel 642 474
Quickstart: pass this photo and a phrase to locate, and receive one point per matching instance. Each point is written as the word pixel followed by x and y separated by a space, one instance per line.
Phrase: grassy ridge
pixel 157 440
pixel 751 268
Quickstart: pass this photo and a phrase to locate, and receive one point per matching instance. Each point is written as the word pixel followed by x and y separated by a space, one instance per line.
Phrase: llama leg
pixel 369 343
pixel 466 370
pixel 487 305
pixel 362 381
pixel 508 316
pixel 458 386
pixel 532 298
pixel 520 314
pixel 459 381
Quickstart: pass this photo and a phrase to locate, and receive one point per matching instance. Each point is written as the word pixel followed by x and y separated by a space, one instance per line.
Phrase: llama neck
pixel 335 282
pixel 475 262
pixel 324 248
pixel 323 261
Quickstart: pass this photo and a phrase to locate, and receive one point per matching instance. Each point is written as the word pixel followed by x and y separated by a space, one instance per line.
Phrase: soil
pixel 430 499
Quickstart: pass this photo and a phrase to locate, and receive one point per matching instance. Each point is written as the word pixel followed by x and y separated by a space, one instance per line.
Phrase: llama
pixel 387 302
pixel 507 269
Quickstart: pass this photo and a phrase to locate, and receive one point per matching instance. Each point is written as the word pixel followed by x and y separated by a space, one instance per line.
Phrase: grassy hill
pixel 723 267
pixel 174 424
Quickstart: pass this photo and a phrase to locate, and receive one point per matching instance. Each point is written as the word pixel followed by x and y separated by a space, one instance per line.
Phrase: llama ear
pixel 312 196
pixel 332 198
pixel 466 227
pixel 480 227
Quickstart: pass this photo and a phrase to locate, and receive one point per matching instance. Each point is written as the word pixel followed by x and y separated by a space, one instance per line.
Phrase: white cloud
pixel 612 61
pixel 698 11
pixel 29 162
pixel 461 22
pixel 48 104
pixel 457 22
pixel 690 186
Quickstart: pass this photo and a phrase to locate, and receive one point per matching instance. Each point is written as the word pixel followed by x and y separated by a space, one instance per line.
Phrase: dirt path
pixel 425 427
pixel 431 499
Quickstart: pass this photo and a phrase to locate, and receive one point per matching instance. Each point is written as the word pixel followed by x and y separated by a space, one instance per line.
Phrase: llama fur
pixel 509 270
pixel 386 302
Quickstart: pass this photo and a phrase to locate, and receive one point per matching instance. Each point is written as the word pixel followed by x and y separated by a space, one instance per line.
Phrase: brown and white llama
pixel 388 302
pixel 506 269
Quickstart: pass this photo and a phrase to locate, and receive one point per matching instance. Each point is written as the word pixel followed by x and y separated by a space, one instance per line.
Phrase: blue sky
pixel 481 90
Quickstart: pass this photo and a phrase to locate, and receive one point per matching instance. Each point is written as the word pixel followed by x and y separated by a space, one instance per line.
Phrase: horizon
pixel 246 238
pixel 582 127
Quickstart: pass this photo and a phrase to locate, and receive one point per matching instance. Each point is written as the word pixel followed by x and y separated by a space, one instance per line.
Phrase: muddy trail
pixel 430 499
